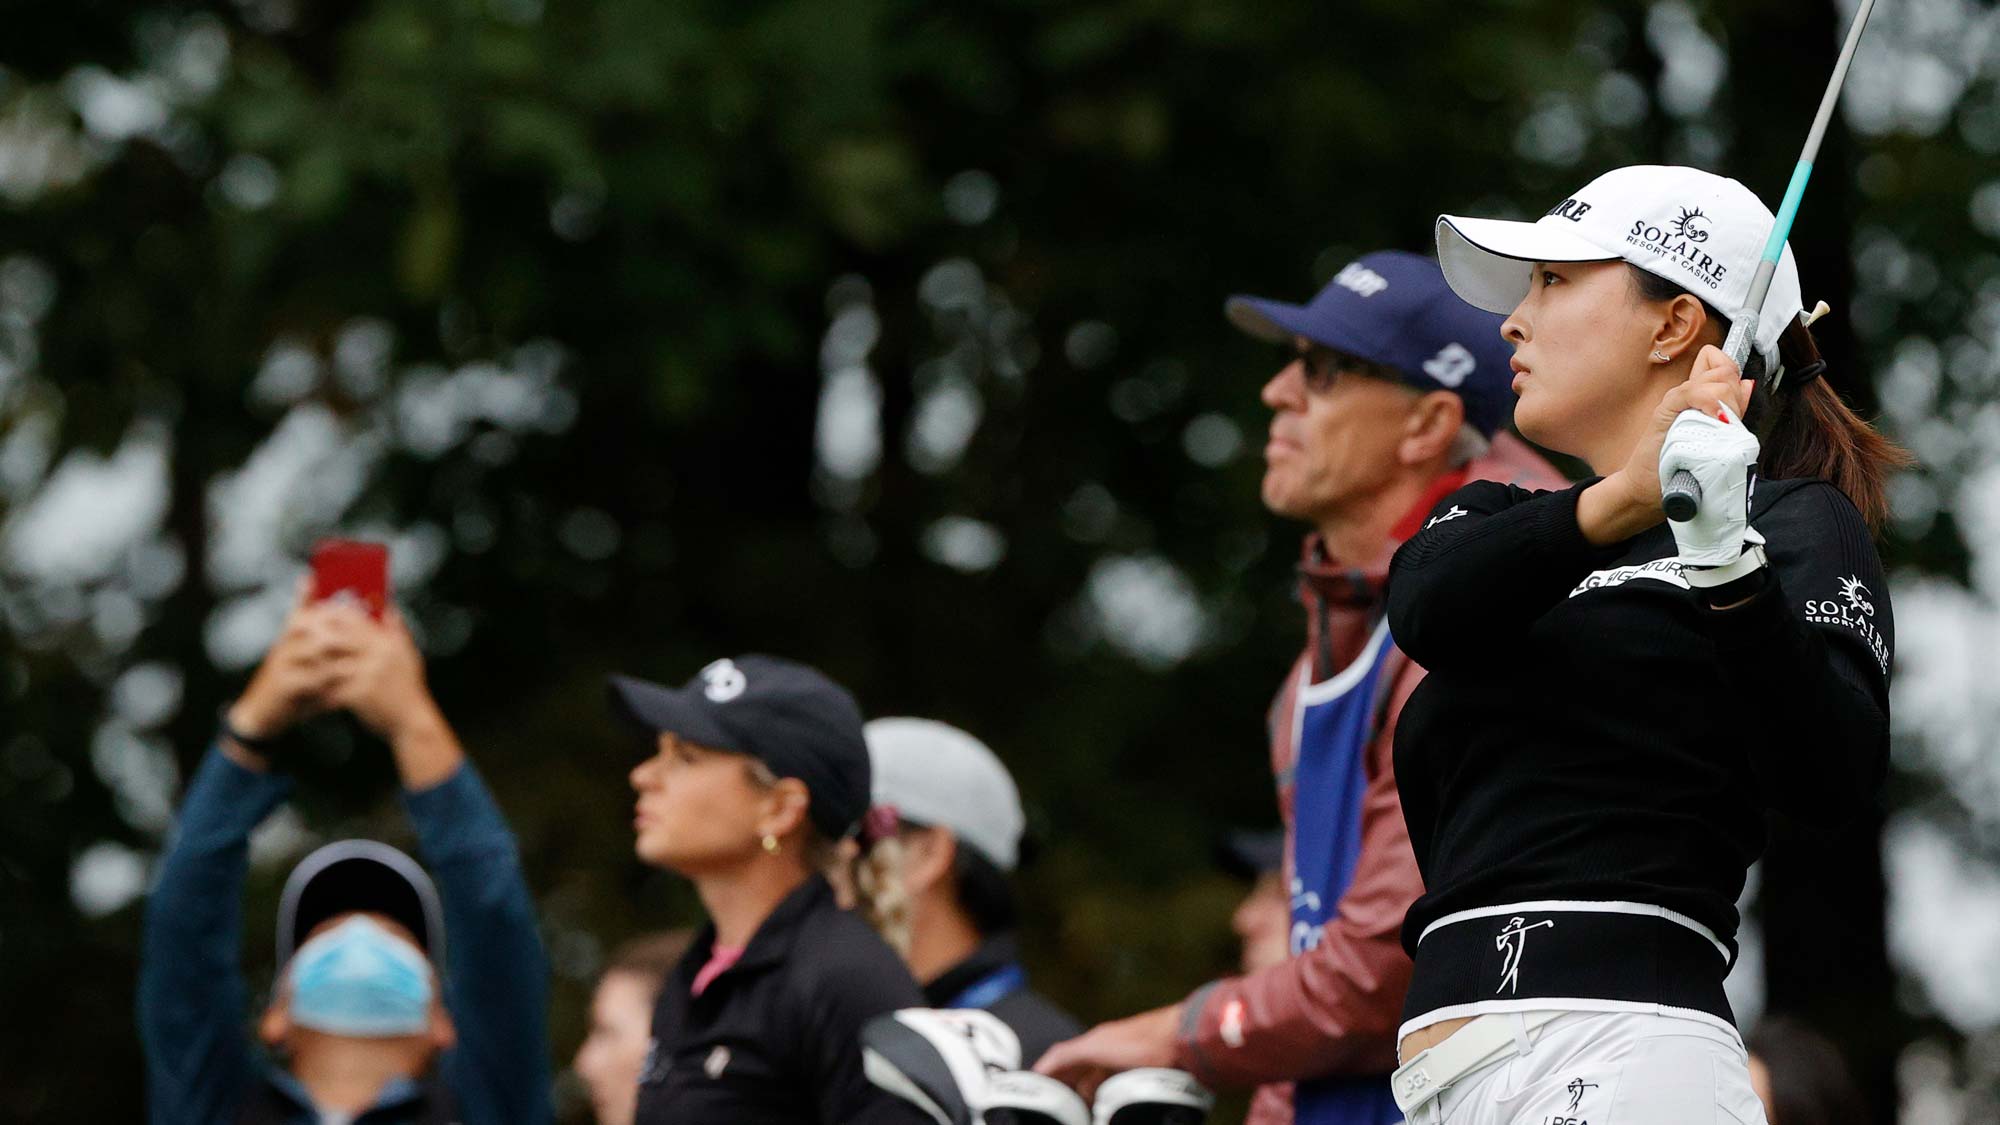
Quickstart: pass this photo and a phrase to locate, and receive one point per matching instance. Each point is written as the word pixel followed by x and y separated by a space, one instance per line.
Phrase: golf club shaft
pixel 1682 496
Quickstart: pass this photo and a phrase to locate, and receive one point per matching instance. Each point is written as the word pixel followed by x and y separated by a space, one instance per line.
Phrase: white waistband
pixel 1563 1004
pixel 1506 1028
pixel 1582 906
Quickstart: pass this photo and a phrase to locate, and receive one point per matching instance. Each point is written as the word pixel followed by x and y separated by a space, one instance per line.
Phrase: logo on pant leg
pixel 1512 942
pixel 1576 1088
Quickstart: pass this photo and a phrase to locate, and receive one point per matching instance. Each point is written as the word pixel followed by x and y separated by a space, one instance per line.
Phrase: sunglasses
pixel 1322 367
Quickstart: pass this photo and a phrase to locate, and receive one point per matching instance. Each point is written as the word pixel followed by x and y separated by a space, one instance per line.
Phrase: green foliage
pixel 555 292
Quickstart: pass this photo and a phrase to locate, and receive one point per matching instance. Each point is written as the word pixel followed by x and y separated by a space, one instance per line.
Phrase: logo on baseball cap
pixel 1394 308
pixel 782 713
pixel 1701 231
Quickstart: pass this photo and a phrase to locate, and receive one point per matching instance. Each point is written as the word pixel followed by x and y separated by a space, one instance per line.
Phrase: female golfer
pixel 759 771
pixel 1584 814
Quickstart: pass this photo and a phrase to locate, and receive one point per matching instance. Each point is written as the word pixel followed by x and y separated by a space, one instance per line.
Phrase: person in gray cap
pixel 959 820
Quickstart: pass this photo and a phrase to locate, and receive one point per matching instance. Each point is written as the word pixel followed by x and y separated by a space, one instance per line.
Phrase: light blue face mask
pixel 360 979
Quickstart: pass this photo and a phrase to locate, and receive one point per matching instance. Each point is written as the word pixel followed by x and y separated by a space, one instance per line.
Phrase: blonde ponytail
pixel 879 892
pixel 875 874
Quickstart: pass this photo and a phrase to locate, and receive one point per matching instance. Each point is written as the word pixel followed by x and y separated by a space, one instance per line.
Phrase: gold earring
pixel 771 843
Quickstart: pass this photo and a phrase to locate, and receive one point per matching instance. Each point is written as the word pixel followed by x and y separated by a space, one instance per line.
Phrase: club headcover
pixel 938 1060
pixel 1152 1096
pixel 1022 1097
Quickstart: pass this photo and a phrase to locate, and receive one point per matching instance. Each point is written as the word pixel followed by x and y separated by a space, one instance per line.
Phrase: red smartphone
pixel 352 568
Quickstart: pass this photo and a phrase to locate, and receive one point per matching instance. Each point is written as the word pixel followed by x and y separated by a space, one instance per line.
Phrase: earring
pixel 1661 357
pixel 771 843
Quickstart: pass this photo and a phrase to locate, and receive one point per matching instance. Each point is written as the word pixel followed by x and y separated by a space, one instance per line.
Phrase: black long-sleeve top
pixel 1591 729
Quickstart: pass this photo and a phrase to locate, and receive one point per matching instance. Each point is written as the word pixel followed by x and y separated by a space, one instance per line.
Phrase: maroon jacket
pixel 1335 1009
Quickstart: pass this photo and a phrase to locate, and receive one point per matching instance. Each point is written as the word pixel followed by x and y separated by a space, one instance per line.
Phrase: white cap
pixel 1701 231
pixel 938 775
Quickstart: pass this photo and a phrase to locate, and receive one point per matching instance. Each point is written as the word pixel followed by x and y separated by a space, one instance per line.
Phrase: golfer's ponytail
pixel 1808 430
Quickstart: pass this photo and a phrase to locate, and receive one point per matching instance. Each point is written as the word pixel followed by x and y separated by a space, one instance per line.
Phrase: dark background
pixel 593 307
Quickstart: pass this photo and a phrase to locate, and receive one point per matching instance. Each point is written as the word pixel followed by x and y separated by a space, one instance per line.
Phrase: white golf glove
pixel 1718 545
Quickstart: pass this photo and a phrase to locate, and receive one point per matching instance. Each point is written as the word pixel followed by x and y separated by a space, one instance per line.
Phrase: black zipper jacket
pixel 775 1038
pixel 1630 743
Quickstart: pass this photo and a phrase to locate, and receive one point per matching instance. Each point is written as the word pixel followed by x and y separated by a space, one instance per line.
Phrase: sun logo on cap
pixel 1684 226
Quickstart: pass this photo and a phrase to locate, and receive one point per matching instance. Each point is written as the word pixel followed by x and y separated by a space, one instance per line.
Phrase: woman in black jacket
pixel 1584 814
pixel 759 773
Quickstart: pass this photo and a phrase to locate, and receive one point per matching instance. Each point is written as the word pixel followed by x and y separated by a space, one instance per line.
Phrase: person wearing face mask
pixel 371 1019
pixel 1585 813
pixel 756 771
pixel 613 1055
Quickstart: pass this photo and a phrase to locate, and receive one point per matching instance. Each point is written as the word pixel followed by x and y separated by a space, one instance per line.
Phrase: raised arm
pixel 192 997
pixel 497 974
pixel 1490 560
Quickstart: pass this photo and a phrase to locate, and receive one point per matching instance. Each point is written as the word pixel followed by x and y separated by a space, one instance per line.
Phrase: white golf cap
pixel 1701 231
pixel 938 775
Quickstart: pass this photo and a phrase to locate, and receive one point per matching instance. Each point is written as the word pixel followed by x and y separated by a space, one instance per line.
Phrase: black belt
pixel 1627 954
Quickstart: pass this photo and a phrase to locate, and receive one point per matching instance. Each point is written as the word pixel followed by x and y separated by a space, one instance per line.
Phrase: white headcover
pixel 1702 231
pixel 939 1060
pixel 1022 1097
pixel 1151 1094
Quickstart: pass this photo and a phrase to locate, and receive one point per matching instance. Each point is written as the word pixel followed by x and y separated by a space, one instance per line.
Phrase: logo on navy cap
pixel 723 681
pixel 1451 365
pixel 1361 279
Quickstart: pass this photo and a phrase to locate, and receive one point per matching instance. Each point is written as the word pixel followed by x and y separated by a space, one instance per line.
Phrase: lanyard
pixel 992 988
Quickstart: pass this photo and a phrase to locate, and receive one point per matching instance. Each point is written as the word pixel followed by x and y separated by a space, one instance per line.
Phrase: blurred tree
pixel 881 334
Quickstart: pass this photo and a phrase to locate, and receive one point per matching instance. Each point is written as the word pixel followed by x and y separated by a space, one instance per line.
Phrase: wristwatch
pixel 263 747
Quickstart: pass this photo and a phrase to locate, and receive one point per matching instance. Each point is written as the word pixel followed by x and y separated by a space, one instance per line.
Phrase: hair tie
pixel 880 823
pixel 1805 374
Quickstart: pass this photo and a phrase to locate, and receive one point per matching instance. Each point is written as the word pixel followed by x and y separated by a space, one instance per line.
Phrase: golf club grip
pixel 1682 496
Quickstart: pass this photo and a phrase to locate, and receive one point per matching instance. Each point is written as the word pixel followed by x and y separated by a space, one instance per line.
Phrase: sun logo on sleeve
pixel 1856 595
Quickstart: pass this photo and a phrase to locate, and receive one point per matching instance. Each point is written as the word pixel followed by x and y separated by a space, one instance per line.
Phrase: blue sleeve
pixel 192 996
pixel 497 975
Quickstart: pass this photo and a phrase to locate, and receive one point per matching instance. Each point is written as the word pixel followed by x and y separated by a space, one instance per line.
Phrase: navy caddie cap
pixel 1395 309
pixel 786 715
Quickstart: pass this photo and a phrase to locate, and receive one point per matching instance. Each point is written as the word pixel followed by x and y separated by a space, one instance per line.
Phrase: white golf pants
pixel 1608 1068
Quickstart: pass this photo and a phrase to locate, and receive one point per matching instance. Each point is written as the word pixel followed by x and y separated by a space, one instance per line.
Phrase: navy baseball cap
pixel 364 875
pixel 786 715
pixel 1394 308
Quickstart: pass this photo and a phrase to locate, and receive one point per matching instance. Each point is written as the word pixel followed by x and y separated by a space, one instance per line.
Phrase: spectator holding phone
pixel 369 1020
pixel 756 771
